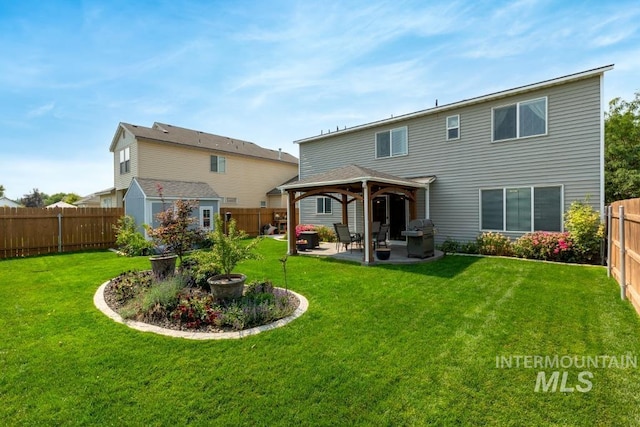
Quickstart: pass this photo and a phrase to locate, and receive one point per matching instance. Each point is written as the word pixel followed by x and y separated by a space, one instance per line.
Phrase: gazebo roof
pixel 354 175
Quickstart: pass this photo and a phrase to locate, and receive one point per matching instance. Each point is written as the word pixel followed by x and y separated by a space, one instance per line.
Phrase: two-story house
pixel 183 163
pixel 511 161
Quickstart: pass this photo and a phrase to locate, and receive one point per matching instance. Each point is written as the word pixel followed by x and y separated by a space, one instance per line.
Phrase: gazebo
pixel 352 183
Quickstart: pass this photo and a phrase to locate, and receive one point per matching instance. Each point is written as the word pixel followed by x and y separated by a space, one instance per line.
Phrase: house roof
pixel 5 201
pixel 276 191
pixel 176 189
pixel 355 174
pixel 165 133
pixel 60 204
pixel 490 97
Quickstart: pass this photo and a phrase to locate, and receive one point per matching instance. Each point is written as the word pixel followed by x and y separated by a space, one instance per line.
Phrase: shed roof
pixel 176 189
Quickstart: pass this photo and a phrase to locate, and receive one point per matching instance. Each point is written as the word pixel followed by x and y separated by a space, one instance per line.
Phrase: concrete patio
pixel 398 254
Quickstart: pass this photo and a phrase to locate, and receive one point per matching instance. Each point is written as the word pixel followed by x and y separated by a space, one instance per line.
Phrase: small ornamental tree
pixel 177 231
pixel 586 230
pixel 229 249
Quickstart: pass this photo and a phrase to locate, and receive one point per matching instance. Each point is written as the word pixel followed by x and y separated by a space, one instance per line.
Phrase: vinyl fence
pixel 623 260
pixel 37 231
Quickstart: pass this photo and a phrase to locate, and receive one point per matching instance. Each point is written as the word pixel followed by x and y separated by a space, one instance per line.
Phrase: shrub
pixel 545 246
pixel 325 234
pixel 129 240
pixel 587 232
pixel 131 283
pixel 450 246
pixel 469 248
pixel 304 227
pixel 490 243
pixel 197 267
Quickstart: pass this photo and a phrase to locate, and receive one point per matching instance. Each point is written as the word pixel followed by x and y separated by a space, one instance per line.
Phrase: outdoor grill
pixel 419 236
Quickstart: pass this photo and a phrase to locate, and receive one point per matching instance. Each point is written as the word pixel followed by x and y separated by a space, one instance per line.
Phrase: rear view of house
pixel 511 161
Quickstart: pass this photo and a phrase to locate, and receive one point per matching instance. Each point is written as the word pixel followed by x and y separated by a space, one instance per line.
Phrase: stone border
pixel 100 303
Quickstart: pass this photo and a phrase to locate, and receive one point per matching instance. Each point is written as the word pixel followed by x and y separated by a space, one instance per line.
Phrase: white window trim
pixel 391 155
pixel 324 204
pixel 504 207
pixel 453 127
pixel 224 162
pixel 517 104
pixel 202 209
pixel 125 159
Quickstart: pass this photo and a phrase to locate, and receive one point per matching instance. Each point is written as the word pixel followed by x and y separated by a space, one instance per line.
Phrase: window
pixel 520 120
pixel 125 160
pixel 453 127
pixel 263 203
pixel 391 143
pixel 323 205
pixel 521 209
pixel 218 164
pixel 206 213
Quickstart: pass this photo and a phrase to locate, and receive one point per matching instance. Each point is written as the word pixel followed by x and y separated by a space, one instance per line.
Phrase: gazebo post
pixel 368 242
pixel 291 223
pixel 345 209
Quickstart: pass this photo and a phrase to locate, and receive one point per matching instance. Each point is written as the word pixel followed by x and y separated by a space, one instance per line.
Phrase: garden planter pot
pixel 223 288
pixel 163 266
pixel 301 247
pixel 383 254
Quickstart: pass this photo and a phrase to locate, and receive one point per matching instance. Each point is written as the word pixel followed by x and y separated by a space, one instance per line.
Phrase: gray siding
pixel 134 201
pixel 569 155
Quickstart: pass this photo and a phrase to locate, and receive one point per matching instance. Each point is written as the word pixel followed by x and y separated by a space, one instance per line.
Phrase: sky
pixel 271 72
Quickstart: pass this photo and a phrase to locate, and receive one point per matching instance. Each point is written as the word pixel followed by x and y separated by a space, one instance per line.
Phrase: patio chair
pixel 381 237
pixel 345 237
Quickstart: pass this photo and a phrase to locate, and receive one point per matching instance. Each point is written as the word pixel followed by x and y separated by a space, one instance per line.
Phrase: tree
pixel 64 197
pixel 34 200
pixel 1 190
pixel 622 149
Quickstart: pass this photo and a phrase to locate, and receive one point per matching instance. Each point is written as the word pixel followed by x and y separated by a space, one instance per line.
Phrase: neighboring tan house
pixel 511 162
pixel 240 173
pixel 61 204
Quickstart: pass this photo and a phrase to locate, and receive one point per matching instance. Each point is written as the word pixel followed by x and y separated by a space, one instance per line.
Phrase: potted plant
pixel 301 244
pixel 176 233
pixel 227 251
pixel 383 254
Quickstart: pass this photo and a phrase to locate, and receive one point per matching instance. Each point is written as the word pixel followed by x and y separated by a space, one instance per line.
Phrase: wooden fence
pixel 251 220
pixel 36 231
pixel 623 248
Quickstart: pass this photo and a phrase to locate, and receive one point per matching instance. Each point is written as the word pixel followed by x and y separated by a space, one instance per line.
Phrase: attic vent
pixel 232 200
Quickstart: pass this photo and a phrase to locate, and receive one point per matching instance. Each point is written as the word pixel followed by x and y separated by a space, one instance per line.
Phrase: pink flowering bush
pixel 545 246
pixel 304 227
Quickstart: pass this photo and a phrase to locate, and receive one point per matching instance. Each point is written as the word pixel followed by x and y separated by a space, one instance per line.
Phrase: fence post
pixel 609 222
pixel 623 267
pixel 59 232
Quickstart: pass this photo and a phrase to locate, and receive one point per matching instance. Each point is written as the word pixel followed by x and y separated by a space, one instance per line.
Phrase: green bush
pixel 586 229
pixel 129 241
pixel 469 248
pixel 325 234
pixel 491 243
pixel 449 246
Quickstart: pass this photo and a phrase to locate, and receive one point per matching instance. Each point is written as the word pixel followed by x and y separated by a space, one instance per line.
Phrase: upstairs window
pixel 218 164
pixel 391 143
pixel 323 205
pixel 125 161
pixel 453 127
pixel 520 120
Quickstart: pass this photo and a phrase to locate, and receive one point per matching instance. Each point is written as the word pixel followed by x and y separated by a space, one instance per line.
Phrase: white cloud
pixel 41 110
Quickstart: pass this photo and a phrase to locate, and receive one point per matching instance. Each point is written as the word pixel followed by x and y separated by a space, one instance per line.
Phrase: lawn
pixel 385 345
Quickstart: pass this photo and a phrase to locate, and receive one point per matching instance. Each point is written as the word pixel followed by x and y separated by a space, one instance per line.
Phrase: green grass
pixel 385 345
